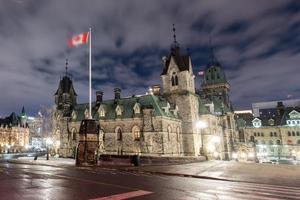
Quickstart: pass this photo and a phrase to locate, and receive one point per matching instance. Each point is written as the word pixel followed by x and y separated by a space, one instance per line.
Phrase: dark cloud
pixel 256 41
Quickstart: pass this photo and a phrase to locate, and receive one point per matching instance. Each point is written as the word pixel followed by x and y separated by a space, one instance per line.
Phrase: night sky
pixel 257 42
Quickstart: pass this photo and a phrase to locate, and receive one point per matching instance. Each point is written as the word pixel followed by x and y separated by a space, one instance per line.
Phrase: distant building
pixel 14 132
pixel 275 131
pixel 177 121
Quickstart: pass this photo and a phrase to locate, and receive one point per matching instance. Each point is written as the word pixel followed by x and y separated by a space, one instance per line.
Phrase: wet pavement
pixel 27 181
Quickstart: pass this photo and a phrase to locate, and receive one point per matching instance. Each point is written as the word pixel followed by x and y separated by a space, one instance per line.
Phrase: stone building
pixel 161 123
pixel 275 132
pixel 14 133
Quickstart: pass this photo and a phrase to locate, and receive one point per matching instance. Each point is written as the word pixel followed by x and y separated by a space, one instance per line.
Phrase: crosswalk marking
pixel 126 195
pixel 246 192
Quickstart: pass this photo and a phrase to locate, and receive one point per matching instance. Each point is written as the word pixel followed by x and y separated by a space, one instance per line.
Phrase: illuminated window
pixel 136 133
pixel 137 109
pixel 119 110
pixel 102 113
pixel 74 115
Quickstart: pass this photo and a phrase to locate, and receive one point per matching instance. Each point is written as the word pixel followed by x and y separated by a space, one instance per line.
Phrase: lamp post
pixel 48 142
pixel 201 125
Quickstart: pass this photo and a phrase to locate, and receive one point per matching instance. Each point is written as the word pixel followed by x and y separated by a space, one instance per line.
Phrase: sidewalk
pixel 231 171
pixel 53 161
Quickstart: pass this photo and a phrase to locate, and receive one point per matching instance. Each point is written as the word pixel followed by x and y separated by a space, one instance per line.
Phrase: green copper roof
pixel 127 105
pixel 214 75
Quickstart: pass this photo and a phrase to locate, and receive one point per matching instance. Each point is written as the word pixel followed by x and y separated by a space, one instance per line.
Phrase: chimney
pixel 117 92
pixel 280 108
pixel 156 90
pixel 99 97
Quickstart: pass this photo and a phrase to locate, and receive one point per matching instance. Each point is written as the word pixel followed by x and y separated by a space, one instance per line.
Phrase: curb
pixel 32 163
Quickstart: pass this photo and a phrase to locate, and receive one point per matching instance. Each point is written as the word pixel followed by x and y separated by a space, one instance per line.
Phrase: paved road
pixel 21 181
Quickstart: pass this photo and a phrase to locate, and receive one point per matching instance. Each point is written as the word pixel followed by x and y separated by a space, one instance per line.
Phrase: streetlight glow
pixel 201 124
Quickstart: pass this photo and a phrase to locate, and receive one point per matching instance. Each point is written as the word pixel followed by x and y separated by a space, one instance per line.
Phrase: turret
pixel 65 96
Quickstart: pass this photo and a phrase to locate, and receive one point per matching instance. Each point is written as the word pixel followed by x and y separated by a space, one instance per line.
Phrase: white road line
pixel 251 194
pixel 126 195
pixel 264 189
pixel 267 185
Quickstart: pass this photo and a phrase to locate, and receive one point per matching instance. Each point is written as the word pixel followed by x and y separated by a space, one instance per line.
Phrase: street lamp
pixel 201 125
pixel 48 142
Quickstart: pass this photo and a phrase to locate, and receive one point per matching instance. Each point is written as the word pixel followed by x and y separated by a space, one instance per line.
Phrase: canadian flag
pixel 82 38
pixel 201 73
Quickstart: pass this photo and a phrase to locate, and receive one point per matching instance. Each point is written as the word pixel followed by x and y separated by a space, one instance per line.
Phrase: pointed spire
pixel 174 36
pixel 212 58
pixel 23 112
pixel 67 67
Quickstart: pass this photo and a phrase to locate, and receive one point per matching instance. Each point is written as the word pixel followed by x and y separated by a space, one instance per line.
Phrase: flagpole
pixel 90 73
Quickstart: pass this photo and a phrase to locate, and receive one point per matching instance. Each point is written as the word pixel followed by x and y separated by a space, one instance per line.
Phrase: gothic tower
pixel 179 89
pixel 215 82
pixel 23 118
pixel 65 96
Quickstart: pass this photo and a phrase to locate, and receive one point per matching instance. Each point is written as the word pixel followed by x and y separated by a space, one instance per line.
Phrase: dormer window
pixel 256 123
pixel 271 122
pixel 137 108
pixel 167 108
pixel 86 114
pixel 174 79
pixel 119 110
pixel 101 111
pixel 74 115
pixel 175 111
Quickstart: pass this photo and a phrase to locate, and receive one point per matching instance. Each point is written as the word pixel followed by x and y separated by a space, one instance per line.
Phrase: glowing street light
pixel 48 142
pixel 201 124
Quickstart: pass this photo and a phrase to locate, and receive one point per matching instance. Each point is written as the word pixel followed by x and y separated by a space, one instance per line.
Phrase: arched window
pixel 270 142
pixel 271 134
pixel 293 133
pixel 136 133
pixel 254 134
pixel 174 79
pixel 177 133
pixel 289 133
pixel 275 134
pixel 258 134
pixel 278 142
pixel 169 132
pixel 298 134
pixel 119 133
pixel 262 134
pixel 74 132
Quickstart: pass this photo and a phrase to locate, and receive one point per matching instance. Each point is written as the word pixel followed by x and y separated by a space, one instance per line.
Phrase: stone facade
pixel 14 133
pixel 155 124
pixel 273 136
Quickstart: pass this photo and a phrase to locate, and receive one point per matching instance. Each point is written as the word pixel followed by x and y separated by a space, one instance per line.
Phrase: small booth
pixel 87 147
